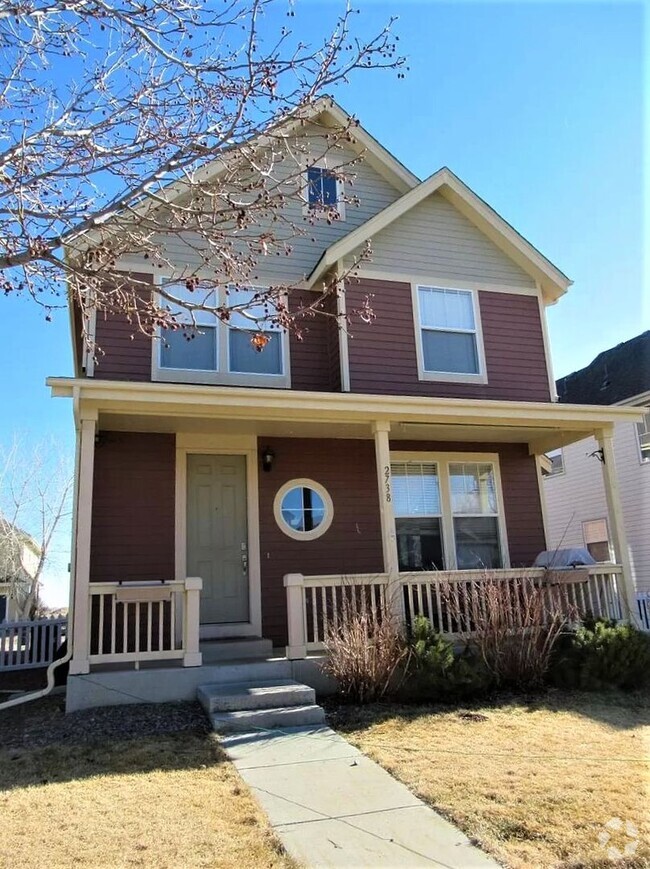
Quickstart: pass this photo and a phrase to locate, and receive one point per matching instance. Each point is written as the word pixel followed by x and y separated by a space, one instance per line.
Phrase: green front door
pixel 217 536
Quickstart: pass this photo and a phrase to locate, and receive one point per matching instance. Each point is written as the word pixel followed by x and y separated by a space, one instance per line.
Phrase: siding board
pixel 383 353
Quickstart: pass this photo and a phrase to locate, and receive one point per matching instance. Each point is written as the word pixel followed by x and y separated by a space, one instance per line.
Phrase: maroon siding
pixel 352 544
pixel 383 356
pixel 124 352
pixel 524 520
pixel 133 507
pixel 313 348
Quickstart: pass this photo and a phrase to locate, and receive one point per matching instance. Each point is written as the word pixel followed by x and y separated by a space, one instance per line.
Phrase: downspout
pixel 43 692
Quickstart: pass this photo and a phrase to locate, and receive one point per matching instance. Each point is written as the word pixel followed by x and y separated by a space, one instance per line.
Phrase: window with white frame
pixel 418 515
pixel 448 332
pixel 245 347
pixel 643 433
pixel 596 537
pixel 447 515
pixel 324 193
pixel 475 511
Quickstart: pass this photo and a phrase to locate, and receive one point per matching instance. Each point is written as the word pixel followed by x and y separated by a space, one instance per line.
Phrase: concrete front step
pixel 215 651
pixel 250 720
pixel 246 696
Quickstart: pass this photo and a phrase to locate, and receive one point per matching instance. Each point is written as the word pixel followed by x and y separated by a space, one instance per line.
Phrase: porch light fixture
pixel 268 457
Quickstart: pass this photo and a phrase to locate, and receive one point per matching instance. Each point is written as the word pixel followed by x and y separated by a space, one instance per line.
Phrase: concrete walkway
pixel 332 806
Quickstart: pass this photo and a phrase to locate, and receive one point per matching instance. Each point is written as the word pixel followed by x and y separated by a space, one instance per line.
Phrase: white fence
pixel 148 621
pixel 26 645
pixel 447 598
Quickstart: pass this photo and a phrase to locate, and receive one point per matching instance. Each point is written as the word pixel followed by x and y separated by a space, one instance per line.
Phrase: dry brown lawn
pixel 534 783
pixel 170 800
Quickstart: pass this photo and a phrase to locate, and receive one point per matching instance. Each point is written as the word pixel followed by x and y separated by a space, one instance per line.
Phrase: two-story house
pixel 575 495
pixel 227 499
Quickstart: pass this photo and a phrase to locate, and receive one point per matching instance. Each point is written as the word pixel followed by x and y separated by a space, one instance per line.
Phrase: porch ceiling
pixel 284 413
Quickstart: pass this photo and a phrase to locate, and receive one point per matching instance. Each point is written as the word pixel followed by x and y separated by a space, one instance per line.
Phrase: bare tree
pixel 35 498
pixel 127 123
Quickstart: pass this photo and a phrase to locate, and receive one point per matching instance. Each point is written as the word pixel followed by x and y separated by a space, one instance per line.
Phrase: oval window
pixel 303 509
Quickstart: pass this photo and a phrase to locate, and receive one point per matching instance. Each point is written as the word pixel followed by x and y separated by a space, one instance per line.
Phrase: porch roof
pixel 278 412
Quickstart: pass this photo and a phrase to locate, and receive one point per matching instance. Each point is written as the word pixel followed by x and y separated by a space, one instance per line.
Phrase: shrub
pixel 602 654
pixel 513 625
pixel 365 650
pixel 434 672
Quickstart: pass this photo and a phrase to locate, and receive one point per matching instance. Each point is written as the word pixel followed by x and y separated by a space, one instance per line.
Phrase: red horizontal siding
pixel 124 352
pixel 383 356
pixel 352 544
pixel 132 534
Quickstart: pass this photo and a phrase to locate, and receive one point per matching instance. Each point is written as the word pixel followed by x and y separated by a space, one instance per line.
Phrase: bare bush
pixel 365 650
pixel 513 624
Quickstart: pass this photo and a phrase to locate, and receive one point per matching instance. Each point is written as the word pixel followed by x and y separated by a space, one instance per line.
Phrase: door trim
pixel 223 445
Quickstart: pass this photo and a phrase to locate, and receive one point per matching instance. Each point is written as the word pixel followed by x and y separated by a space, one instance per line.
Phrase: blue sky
pixel 537 106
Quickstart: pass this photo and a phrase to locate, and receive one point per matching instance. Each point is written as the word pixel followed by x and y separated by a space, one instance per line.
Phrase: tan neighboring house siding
pixel 578 495
pixel 383 355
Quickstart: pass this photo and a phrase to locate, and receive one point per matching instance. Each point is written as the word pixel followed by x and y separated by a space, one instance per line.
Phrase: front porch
pixel 149 583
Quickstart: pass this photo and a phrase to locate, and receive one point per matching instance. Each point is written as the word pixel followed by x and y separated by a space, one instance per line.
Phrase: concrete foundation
pixel 169 684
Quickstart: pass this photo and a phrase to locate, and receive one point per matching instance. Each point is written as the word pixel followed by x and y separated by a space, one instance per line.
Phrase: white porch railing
pixel 150 621
pixel 316 602
pixel 26 645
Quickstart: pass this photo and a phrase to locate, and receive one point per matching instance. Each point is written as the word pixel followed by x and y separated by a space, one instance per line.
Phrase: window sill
pixel 443 377
pixel 216 378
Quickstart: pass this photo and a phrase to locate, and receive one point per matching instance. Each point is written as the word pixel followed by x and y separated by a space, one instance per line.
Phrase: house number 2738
pixel 387 483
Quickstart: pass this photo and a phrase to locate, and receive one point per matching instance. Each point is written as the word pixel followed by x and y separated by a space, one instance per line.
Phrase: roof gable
pixel 553 282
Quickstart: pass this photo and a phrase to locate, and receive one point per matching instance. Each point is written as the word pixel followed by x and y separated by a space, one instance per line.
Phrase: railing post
pixel 605 440
pixel 192 656
pixel 297 648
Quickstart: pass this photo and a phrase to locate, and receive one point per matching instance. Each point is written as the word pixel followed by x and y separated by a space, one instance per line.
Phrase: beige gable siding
pixel 373 191
pixel 578 496
pixel 434 240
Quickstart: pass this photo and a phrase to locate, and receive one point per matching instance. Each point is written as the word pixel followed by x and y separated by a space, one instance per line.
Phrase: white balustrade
pixel 26 645
pixel 144 621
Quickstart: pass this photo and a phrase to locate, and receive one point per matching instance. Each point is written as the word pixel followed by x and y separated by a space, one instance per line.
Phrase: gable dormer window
pixel 449 340
pixel 324 193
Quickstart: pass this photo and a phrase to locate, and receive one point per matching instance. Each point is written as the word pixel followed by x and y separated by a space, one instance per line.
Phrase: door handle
pixel 244 562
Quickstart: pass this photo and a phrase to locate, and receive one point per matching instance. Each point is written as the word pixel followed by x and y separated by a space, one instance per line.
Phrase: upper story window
pixel 324 193
pixel 643 433
pixel 248 350
pixel 449 335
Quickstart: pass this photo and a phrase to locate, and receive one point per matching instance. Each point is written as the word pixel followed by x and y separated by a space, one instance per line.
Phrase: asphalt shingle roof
pixel 615 375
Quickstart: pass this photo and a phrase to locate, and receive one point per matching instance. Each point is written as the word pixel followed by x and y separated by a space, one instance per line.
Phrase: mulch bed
pixel 44 722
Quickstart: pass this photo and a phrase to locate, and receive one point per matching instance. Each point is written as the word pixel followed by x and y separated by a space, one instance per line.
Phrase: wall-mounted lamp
pixel 599 454
pixel 268 457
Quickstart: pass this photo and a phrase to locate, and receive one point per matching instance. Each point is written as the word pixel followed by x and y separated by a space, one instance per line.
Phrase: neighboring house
pixel 19 559
pixel 575 496
pixel 226 499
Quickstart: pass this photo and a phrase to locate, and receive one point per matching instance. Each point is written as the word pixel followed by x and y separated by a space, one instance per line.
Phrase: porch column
pixel 388 539
pixel 605 438
pixel 81 576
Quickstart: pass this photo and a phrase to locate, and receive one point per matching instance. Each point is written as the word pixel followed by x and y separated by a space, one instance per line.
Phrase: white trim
pixel 342 329
pixel 443 460
pixel 303 483
pixel 432 279
pixel 88 358
pixel 547 346
pixel 474 208
pixel 224 445
pixel 446 376
pixel 643 462
pixel 542 498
